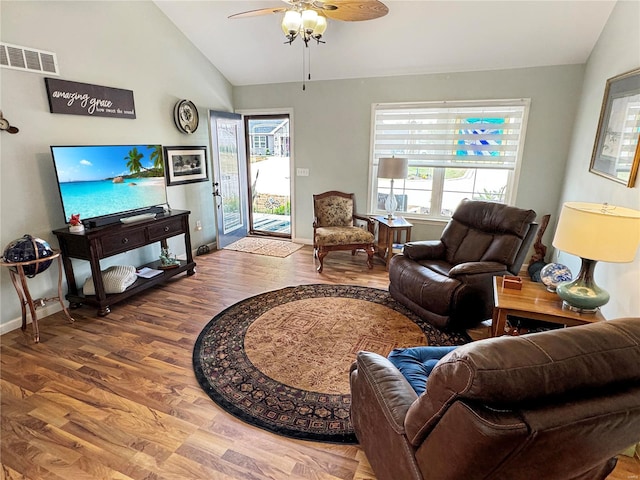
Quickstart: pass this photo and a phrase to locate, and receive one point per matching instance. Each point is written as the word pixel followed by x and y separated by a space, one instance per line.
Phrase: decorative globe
pixel 553 274
pixel 25 249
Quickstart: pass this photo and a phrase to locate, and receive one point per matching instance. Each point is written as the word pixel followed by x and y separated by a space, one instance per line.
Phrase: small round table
pixel 19 280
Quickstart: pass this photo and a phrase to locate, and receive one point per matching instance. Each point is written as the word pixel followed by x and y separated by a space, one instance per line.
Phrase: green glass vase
pixel 582 294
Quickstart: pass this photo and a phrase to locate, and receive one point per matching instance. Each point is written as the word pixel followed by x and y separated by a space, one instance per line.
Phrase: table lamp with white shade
pixel 394 169
pixel 595 233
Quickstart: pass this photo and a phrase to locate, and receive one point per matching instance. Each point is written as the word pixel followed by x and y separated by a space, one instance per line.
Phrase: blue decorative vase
pixel 28 248
pixel 553 274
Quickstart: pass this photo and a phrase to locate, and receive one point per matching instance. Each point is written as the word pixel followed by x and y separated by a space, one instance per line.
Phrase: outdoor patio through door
pixel 267 138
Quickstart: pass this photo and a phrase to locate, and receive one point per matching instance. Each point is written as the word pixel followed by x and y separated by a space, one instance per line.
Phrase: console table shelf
pixel 97 243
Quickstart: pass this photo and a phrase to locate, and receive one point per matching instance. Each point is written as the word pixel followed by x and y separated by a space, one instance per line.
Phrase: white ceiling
pixel 419 36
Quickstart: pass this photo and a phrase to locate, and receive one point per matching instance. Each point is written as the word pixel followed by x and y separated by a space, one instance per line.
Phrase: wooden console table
pixel 101 242
pixel 390 232
pixel 19 280
pixel 533 301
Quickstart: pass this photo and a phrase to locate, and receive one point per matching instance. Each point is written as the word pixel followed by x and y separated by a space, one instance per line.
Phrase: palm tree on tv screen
pixel 133 160
pixel 156 158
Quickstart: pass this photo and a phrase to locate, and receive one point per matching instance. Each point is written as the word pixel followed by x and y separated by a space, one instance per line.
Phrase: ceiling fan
pixel 307 19
pixel 345 10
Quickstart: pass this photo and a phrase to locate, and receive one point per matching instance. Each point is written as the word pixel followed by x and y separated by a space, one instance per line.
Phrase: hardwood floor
pixel 115 397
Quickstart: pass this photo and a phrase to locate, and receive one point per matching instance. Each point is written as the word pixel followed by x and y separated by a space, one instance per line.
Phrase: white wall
pixel 129 45
pixel 332 121
pixel 617 51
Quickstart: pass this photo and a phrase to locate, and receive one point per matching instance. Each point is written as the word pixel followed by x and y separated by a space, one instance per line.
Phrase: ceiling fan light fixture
pixel 320 28
pixel 309 24
pixel 291 22
pixel 309 21
pixel 290 34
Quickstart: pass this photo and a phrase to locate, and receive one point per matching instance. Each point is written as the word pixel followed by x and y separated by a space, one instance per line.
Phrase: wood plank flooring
pixel 115 397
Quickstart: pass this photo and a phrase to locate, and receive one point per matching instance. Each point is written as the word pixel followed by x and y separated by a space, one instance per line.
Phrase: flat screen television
pixel 104 183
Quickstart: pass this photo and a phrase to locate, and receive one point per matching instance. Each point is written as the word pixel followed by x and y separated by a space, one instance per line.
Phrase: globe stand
pixel 19 280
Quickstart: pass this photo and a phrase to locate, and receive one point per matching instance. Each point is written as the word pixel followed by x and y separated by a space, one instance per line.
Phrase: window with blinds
pixel 455 150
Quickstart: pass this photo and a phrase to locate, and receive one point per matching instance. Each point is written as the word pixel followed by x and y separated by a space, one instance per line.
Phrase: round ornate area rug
pixel 280 360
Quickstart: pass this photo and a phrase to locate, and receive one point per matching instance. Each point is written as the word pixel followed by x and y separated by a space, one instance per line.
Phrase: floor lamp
pixel 394 169
pixel 594 232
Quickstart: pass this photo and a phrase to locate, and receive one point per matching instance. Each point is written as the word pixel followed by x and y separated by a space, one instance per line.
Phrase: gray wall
pixel 332 125
pixel 617 51
pixel 129 45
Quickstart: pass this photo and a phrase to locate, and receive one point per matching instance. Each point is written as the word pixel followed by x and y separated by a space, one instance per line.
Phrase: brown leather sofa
pixel 557 405
pixel 448 282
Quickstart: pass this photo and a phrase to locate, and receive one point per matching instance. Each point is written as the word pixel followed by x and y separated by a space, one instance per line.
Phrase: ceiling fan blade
pixel 261 11
pixel 354 10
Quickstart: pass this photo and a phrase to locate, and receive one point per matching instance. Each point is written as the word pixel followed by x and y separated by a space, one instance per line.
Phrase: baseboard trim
pixel 304 241
pixel 42 312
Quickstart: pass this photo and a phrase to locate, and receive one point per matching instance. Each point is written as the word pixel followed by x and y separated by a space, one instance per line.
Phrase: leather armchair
pixel 557 405
pixel 448 282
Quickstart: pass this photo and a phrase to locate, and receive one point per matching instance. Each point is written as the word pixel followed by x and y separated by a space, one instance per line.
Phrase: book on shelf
pixel 146 272
pixel 398 247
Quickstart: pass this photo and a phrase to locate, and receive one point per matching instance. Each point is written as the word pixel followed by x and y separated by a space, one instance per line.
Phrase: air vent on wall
pixel 28 59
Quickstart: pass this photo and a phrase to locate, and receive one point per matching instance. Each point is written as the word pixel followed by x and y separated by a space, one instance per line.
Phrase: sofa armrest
pixel 475 268
pixel 393 393
pixel 427 249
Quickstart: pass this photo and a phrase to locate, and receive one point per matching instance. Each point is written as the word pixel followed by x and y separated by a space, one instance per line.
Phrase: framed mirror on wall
pixel 616 152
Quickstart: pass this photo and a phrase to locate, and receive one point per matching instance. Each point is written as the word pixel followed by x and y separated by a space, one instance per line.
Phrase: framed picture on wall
pixel 616 152
pixel 185 165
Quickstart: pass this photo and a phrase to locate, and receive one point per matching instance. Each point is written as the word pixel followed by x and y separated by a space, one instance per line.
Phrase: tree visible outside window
pixel 455 150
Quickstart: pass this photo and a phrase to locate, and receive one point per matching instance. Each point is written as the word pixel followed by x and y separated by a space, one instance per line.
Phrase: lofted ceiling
pixel 416 37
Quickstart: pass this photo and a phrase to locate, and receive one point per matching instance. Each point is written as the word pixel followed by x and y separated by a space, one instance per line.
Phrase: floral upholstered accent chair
pixel 334 227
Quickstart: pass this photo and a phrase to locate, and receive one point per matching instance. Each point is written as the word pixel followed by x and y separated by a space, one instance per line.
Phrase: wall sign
pixel 85 99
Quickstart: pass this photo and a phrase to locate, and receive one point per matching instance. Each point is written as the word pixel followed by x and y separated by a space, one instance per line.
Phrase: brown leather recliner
pixel 448 282
pixel 557 405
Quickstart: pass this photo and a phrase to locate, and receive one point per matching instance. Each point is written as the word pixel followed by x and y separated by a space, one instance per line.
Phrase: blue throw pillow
pixel 416 363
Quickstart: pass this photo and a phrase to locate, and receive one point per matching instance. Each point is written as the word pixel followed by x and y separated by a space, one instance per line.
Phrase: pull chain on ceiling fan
pixel 308 19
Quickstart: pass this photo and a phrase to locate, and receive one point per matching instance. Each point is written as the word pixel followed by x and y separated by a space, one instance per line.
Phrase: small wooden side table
pixel 391 232
pixel 19 280
pixel 533 301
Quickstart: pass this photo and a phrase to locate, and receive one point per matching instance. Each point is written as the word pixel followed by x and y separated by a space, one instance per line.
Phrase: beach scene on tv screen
pixel 102 180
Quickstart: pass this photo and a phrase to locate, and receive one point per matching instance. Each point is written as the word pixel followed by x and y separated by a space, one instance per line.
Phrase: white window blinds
pixel 486 134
